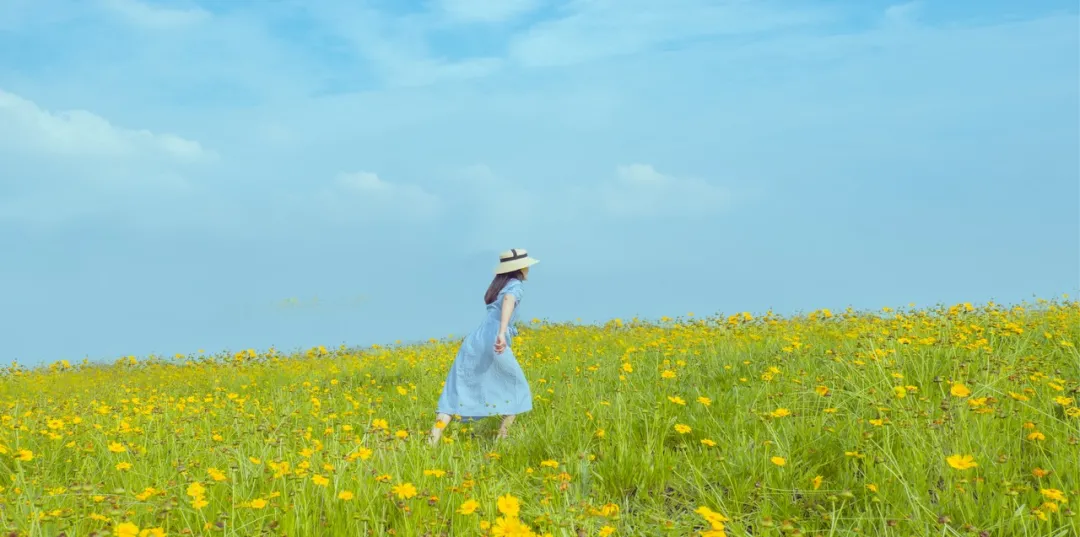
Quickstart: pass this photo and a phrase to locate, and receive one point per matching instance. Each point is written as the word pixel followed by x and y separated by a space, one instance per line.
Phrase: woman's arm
pixel 504 322
pixel 507 310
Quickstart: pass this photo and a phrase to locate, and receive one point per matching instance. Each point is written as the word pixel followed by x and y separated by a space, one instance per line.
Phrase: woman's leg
pixel 506 421
pixel 441 421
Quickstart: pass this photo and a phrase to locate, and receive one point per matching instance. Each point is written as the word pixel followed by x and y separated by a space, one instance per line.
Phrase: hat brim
pixel 517 264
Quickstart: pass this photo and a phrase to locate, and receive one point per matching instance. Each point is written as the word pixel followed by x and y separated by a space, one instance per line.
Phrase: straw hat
pixel 514 259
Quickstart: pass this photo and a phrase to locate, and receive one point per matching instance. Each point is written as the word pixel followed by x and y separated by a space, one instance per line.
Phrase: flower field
pixel 953 420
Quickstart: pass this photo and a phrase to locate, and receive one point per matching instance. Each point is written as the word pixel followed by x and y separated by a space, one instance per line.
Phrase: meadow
pixel 950 420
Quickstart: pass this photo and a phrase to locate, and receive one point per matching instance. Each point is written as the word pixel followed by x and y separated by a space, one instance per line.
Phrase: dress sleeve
pixel 514 287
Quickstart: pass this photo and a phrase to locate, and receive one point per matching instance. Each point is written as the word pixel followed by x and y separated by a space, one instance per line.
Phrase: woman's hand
pixel 500 342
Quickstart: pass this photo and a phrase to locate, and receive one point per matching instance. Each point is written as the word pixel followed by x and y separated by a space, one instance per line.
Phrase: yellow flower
pixel 704 400
pixel 779 461
pixel 822 390
pixel 257 503
pixel 122 466
pixel 715 520
pixel 196 490
pixel 215 474
pixel 708 442
pixel 780 413
pixel 345 495
pixel 961 462
pixel 510 526
pixel 362 453
pixel 320 480
pixel 605 531
pixel 900 392
pixel 682 429
pixel 508 505
pixel 677 400
pixel 1054 494
pixel 404 491
pixel 816 481
pixel 24 455
pixel 607 510
pixel 127 529
pixel 959 390
pixel 145 494
pixel 468 507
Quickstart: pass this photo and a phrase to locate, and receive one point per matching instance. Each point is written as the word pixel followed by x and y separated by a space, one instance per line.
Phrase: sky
pixel 229 174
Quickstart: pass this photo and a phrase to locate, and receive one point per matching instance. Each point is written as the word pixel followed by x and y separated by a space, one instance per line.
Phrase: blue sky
pixel 224 174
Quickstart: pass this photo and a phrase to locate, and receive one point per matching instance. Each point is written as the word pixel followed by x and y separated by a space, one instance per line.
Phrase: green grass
pixel 180 417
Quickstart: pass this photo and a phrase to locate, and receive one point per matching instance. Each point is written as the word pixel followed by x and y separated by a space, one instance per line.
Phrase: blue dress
pixel 481 383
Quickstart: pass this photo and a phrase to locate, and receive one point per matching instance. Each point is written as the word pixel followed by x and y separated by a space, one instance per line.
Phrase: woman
pixel 485 379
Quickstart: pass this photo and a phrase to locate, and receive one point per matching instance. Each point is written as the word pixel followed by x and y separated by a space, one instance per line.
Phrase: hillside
pixel 954 420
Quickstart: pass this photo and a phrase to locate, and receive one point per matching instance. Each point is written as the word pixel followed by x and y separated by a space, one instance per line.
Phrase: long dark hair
pixel 498 283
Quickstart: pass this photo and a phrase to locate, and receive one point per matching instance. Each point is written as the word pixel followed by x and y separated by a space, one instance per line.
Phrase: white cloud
pixel 501 199
pixel 155 17
pixel 28 129
pixel 542 129
pixel 489 210
pixel 147 197
pixel 640 190
pixel 904 14
pixel 597 29
pixel 486 11
pixel 397 47
pixel 403 70
pixel 364 194
pixel 65 165
pixel 24 15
